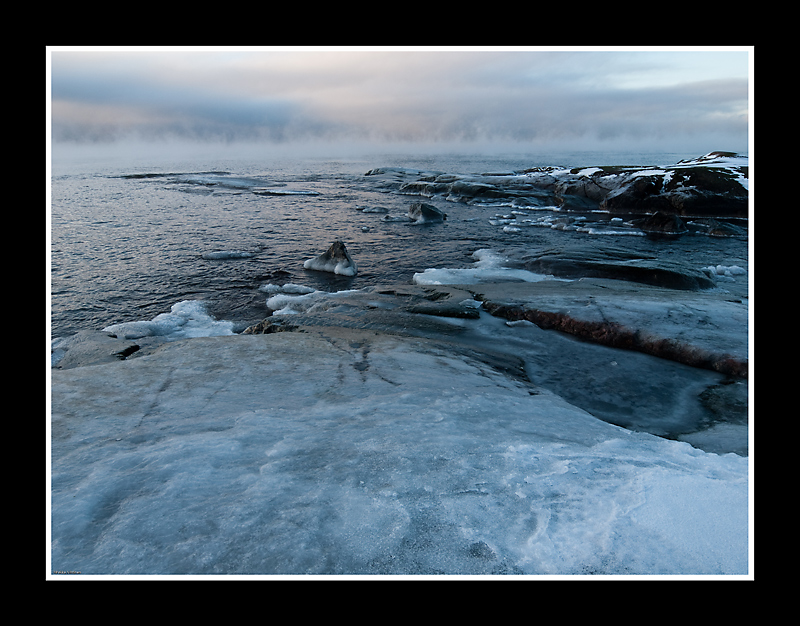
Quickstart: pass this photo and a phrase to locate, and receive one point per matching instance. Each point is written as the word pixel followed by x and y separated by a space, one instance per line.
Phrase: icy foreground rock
pixel 706 329
pixel 339 451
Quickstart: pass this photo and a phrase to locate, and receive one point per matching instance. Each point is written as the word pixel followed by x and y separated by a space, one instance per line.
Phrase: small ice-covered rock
pixel 335 259
pixel 514 323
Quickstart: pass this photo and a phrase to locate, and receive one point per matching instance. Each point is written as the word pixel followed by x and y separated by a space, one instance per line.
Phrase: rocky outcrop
pixel 686 191
pixel 711 185
pixel 618 336
pixel 441 303
pixel 715 228
pixel 714 185
pixel 96 347
pixel 360 454
pixel 708 331
pixel 90 348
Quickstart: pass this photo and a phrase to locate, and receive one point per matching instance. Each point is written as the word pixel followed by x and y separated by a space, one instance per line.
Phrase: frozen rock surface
pixel 706 329
pixel 343 451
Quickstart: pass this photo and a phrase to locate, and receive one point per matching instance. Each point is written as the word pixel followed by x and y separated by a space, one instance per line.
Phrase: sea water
pixel 130 238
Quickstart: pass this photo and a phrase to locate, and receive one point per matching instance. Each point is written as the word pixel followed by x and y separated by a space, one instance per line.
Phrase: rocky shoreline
pixel 604 295
pixel 712 187
pixel 708 332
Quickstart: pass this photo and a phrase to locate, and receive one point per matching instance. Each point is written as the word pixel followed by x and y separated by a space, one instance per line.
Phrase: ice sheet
pixel 356 453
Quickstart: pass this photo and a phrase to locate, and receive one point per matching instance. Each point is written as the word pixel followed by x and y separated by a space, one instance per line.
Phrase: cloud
pixel 401 96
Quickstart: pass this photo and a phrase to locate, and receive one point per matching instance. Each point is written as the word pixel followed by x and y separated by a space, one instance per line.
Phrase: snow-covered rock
pixel 188 318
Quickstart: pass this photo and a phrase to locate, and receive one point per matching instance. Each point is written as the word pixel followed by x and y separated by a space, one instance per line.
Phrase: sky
pixel 684 99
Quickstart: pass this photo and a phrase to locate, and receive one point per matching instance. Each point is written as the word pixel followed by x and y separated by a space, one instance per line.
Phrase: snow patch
pixel 291 304
pixel 185 319
pixel 489 267
pixel 724 272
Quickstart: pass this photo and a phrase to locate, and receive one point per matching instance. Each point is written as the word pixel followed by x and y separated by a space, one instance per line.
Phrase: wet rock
pixel 715 228
pixel 270 325
pixel 90 348
pixel 423 213
pixel 424 188
pixel 714 185
pixel 574 202
pixel 465 309
pixel 608 262
pixel 661 224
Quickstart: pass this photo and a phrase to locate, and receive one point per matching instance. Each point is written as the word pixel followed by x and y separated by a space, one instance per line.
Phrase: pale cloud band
pixel 401 95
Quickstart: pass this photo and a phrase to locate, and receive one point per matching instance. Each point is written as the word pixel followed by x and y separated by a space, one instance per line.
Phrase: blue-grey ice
pixel 352 452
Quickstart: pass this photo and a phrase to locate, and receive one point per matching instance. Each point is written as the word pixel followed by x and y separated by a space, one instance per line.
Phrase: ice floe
pixel 222 255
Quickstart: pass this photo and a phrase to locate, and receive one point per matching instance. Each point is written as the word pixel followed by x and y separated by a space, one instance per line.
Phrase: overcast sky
pixel 672 99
